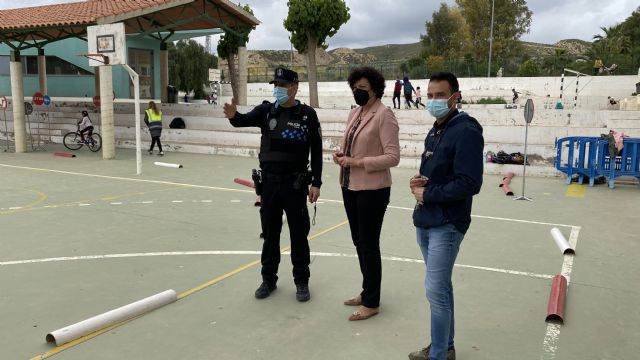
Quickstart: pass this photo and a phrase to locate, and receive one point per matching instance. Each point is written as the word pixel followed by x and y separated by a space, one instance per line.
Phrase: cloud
pixel 579 19
pixel 379 22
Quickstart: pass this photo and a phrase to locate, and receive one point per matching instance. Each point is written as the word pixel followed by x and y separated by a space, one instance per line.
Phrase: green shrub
pixel 490 100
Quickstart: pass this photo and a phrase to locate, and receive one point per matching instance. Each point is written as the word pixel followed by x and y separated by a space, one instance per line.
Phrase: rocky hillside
pixel 388 53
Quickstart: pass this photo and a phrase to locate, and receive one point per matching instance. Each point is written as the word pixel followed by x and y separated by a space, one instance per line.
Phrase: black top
pixel 453 162
pixel 259 117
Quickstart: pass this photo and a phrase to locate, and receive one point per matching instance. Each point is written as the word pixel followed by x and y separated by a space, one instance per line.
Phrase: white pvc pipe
pixel 85 327
pixel 561 241
pixel 177 166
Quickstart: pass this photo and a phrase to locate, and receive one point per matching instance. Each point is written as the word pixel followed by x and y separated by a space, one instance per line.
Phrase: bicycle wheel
pixel 95 143
pixel 72 141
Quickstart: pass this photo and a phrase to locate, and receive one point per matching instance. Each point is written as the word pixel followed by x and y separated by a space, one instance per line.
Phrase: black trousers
pixel 396 95
pixel 278 195
pixel 365 211
pixel 155 140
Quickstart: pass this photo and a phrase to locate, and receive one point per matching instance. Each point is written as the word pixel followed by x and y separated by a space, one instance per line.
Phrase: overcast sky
pixel 379 22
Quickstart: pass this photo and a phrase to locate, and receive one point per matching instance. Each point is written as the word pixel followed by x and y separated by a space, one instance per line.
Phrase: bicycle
pixel 73 140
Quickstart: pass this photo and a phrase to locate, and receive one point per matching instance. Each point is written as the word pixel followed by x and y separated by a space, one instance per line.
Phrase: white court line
pixel 127 179
pixel 216 252
pixel 177 201
pixel 247 191
pixel 475 216
pixel 116 203
pixel 552 335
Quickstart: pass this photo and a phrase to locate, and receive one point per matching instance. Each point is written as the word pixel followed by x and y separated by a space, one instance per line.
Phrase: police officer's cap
pixel 285 76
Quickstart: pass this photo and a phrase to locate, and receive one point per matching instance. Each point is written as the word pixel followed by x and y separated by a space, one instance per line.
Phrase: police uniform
pixel 289 134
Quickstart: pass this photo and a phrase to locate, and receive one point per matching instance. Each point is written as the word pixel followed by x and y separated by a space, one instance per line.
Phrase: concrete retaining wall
pixel 209 132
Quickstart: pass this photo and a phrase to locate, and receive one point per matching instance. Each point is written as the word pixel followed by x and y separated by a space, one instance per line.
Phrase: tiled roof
pixel 91 11
pixel 69 14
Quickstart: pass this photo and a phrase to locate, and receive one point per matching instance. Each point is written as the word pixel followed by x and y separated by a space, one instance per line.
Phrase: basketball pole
pixel 135 78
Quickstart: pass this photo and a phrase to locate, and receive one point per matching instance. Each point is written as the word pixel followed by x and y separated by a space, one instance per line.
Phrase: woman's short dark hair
pixel 374 77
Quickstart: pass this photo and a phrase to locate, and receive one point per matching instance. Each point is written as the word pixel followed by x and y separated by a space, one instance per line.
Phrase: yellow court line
pixel 104 198
pixel 576 191
pixel 80 340
pixel 41 196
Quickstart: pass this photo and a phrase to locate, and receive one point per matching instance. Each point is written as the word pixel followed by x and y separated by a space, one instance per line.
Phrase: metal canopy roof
pixel 37 26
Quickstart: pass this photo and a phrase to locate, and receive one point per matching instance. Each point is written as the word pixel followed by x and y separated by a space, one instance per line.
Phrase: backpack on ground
pixel 177 123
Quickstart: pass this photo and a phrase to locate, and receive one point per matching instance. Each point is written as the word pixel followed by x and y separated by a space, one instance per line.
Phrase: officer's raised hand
pixel 314 194
pixel 230 109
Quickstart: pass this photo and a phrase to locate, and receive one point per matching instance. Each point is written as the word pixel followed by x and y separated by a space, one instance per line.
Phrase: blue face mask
pixel 281 94
pixel 438 108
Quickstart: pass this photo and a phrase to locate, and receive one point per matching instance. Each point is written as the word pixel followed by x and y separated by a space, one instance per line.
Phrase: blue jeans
pixel 439 246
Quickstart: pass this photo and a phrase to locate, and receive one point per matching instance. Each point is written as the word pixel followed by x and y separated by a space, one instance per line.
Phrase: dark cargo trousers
pixel 278 195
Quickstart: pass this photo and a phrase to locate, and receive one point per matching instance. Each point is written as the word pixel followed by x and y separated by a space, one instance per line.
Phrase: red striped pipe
pixel 505 183
pixel 64 154
pixel 244 182
pixel 557 298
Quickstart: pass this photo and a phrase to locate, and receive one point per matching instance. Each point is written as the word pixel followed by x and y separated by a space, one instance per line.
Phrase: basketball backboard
pixel 109 41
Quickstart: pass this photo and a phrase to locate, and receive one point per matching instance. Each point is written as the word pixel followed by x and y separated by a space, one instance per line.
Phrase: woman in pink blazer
pixel 370 147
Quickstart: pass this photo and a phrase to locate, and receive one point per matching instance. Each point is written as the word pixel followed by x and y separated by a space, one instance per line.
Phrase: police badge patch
pixel 273 123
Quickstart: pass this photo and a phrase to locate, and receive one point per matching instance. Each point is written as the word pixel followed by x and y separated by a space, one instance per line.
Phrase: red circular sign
pixel 96 100
pixel 38 98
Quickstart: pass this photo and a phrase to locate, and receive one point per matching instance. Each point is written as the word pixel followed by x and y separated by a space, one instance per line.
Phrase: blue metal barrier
pixel 589 156
pixel 627 163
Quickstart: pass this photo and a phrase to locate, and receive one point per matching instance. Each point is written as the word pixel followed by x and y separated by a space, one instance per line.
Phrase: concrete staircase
pixel 208 132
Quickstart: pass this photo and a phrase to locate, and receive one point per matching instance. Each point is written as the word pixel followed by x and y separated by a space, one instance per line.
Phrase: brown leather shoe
pixel 363 315
pixel 354 301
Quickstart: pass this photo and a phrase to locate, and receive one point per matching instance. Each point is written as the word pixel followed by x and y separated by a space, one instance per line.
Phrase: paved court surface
pixel 81 236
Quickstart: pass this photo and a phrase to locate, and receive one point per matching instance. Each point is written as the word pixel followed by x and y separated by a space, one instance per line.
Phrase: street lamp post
pixel 493 5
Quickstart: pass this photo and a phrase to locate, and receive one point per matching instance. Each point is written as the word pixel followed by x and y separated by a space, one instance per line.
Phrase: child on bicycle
pixel 85 125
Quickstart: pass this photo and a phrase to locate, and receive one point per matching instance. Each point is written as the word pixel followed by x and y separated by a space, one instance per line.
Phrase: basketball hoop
pixel 104 59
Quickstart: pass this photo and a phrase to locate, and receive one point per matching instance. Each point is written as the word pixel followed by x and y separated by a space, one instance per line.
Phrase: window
pixel 57 66
pixel 4 64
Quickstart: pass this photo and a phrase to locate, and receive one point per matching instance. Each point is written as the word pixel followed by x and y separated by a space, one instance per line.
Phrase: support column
pixel 42 71
pixel 164 72
pixel 242 75
pixel 17 96
pixel 106 113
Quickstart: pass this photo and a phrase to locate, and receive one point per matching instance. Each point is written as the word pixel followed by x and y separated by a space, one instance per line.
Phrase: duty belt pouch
pixel 256 176
pixel 302 180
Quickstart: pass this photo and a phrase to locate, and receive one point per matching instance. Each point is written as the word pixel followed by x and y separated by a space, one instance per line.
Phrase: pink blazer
pixel 375 141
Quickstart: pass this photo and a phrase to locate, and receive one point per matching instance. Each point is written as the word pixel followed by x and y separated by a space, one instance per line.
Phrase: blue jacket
pixel 453 162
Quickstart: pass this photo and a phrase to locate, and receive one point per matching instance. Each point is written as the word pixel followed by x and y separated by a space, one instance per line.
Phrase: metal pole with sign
pixel 47 102
pixel 4 103
pixel 528 116
pixel 38 99
pixel 28 110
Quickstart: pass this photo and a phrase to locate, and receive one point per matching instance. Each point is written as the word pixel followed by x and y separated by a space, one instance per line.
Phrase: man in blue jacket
pixel 450 174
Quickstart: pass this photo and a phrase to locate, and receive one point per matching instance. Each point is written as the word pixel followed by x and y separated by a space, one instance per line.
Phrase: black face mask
pixel 361 97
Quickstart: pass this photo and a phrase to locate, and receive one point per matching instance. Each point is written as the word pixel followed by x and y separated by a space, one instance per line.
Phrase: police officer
pixel 290 130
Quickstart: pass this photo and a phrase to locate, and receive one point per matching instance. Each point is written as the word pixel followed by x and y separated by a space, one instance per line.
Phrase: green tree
pixel 310 23
pixel 189 65
pixel 228 45
pixel 512 19
pixel 435 64
pixel 529 68
pixel 447 33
